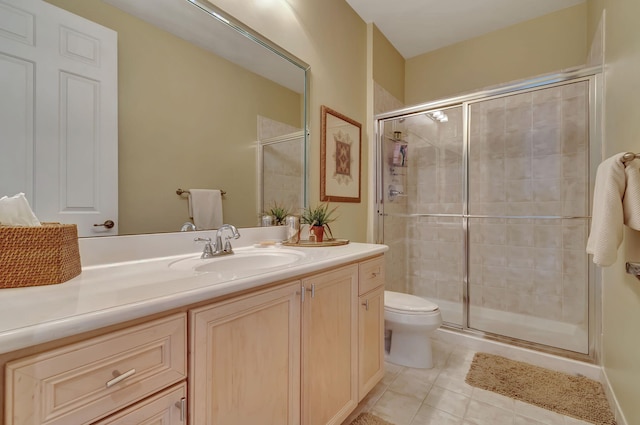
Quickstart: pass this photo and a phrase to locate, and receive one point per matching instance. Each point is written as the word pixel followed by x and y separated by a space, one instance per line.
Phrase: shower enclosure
pixel 484 201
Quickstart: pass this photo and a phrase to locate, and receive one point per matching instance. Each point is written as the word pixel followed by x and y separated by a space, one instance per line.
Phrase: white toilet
pixel 408 322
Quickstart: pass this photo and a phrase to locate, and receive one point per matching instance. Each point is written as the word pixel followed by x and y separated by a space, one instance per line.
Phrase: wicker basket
pixel 45 255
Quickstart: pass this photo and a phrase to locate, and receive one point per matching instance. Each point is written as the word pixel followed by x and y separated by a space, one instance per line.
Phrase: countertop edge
pixel 27 336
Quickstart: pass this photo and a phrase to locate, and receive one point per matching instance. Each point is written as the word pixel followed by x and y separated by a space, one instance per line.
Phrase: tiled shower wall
pixel 528 156
pixel 282 167
pixel 435 186
pixel 528 161
pixel 395 225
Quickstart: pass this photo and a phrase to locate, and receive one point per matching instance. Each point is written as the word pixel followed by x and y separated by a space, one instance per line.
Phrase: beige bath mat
pixel 574 396
pixel 369 419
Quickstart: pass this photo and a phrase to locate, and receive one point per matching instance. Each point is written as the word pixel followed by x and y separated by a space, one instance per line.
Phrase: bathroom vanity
pixel 300 342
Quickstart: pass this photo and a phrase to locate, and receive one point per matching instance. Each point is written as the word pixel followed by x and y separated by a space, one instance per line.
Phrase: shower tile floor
pixel 439 396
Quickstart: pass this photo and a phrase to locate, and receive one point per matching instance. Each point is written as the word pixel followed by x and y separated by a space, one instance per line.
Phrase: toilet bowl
pixel 408 322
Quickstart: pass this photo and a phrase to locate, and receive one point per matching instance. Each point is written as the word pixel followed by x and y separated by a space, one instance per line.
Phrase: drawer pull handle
pixel 312 290
pixel 183 408
pixel 366 305
pixel 120 378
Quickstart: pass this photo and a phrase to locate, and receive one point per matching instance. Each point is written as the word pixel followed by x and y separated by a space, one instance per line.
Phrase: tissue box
pixel 32 256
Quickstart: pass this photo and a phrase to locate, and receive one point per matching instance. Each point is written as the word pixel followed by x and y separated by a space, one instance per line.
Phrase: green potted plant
pixel 318 218
pixel 279 213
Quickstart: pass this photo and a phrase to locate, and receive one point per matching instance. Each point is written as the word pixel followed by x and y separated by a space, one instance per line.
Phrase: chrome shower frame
pixel 594 77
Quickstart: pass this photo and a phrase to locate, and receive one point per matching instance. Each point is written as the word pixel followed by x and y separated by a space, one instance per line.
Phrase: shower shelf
pixel 394 172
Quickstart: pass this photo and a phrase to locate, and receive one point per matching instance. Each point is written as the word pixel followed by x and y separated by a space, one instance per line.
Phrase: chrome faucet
pixel 214 249
pixel 227 245
pixel 188 226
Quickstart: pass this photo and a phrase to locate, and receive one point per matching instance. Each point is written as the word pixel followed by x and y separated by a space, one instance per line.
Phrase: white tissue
pixel 15 211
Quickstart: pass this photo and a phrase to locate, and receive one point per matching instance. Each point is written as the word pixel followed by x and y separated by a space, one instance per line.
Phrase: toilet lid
pixel 407 302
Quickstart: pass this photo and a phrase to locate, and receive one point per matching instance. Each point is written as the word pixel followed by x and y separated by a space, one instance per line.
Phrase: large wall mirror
pixel 200 98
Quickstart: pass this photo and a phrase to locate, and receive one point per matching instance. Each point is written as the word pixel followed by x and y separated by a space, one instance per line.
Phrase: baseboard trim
pixel 611 396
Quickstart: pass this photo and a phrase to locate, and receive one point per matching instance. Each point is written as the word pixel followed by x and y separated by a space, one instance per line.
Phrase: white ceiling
pixel 415 27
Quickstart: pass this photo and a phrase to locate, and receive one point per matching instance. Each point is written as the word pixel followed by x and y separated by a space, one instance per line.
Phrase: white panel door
pixel 58 114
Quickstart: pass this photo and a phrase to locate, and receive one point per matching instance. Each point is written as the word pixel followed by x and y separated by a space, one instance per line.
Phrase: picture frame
pixel 340 157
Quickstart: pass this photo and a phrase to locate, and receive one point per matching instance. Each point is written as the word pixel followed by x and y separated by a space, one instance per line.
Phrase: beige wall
pixel 388 65
pixel 183 123
pixel 542 45
pixel 332 39
pixel 621 292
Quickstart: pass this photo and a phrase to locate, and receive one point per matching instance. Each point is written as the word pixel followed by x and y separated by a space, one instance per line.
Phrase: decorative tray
pixel 327 242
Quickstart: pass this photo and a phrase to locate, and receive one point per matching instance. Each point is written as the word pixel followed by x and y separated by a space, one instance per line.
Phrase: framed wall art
pixel 340 157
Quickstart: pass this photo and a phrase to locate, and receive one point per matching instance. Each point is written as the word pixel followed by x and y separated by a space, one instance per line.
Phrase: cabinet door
pixel 371 341
pixel 329 348
pixel 165 408
pixel 245 360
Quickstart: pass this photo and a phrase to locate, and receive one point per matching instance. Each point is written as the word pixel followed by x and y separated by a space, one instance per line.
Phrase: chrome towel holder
pixel 634 269
pixel 629 156
pixel 181 192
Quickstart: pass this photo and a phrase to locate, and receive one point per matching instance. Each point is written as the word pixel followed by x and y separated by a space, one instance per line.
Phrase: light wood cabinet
pixel 298 353
pixel 245 359
pixel 370 325
pixel 86 381
pixel 330 346
pixel 371 341
pixel 166 408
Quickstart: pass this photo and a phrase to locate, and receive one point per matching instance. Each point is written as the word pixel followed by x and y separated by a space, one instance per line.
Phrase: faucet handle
pixel 207 252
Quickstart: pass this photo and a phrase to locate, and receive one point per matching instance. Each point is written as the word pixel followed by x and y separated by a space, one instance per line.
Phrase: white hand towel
pixel 205 207
pixel 616 201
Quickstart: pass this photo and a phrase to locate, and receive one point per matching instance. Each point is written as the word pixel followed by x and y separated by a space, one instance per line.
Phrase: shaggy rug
pixel 369 419
pixel 569 395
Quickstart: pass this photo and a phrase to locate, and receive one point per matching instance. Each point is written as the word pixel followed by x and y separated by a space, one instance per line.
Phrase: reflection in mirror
pixel 192 118
pixel 281 172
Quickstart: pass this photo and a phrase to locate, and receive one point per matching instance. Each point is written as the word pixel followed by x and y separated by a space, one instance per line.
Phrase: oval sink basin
pixel 240 263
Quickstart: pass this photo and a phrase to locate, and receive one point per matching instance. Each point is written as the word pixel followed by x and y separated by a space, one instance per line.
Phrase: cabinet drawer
pixel 371 275
pixel 80 383
pixel 167 408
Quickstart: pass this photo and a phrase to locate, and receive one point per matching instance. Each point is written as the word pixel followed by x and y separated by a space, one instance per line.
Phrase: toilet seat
pixel 408 304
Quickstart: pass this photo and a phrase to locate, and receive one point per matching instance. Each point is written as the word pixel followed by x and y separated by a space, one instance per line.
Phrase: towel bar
pixel 629 156
pixel 180 192
pixel 634 269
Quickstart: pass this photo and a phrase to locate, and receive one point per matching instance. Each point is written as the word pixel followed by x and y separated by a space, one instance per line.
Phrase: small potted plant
pixel 279 213
pixel 318 218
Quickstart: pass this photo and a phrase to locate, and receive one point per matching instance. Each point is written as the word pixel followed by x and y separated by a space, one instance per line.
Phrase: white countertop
pixel 107 294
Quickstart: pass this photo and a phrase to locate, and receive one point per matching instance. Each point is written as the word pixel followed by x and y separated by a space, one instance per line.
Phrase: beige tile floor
pixel 439 396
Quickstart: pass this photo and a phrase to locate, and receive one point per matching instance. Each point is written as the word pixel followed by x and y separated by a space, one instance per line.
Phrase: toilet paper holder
pixel 634 269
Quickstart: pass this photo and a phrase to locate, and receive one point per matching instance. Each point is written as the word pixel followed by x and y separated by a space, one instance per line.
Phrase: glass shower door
pixel 423 196
pixel 528 216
